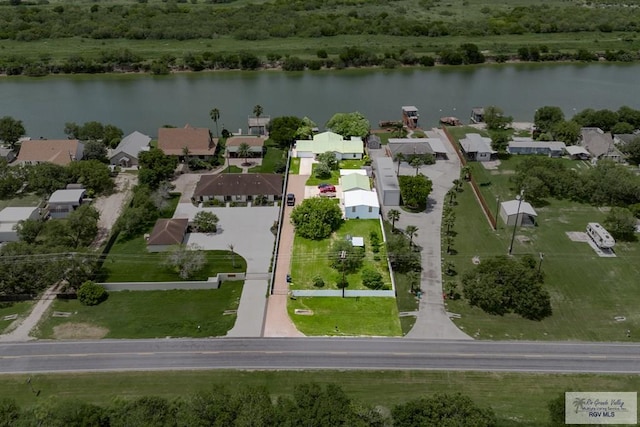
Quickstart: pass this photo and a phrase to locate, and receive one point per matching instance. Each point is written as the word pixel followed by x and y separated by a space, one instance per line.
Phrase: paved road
pixel 317 353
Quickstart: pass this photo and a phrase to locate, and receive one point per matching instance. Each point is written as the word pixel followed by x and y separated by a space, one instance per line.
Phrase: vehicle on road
pixel 291 199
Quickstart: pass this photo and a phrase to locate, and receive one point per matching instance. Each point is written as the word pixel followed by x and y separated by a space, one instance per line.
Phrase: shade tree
pixel 349 124
pixel 11 130
pixel 316 218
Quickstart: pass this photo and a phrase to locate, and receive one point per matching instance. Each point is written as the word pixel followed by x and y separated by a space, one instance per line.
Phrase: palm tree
pixel 257 111
pixel 244 150
pixel 465 173
pixel 233 256
pixel 185 153
pixel 399 157
pixel 411 231
pixel 215 116
pixel 413 277
pixel 393 215
pixel 416 162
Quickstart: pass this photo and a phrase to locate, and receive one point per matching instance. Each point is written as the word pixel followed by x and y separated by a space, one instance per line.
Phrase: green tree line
pixel 310 405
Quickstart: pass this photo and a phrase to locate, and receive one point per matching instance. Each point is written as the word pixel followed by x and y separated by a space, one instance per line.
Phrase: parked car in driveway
pixel 328 189
pixel 291 199
pixel 324 184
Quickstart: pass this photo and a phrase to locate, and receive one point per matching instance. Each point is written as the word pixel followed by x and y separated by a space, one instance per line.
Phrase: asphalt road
pixel 317 353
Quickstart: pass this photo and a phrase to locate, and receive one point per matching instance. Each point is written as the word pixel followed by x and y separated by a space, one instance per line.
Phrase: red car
pixel 328 189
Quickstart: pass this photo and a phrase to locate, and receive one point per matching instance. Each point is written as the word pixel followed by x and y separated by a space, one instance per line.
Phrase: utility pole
pixel 343 257
pixel 540 263
pixel 515 224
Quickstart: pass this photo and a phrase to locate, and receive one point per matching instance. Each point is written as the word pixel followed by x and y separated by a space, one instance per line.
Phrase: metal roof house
pixel 387 185
pixel 10 217
pixel 361 204
pixel 329 141
pixel 529 146
pixel 127 152
pixel 355 181
pixel 477 147
pixel 516 212
pixel 62 202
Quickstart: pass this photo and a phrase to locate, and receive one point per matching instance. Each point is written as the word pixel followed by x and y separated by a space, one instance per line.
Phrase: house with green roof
pixel 355 181
pixel 328 141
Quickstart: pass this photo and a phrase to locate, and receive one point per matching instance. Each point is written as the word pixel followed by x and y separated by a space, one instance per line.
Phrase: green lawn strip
pixel 25 200
pixel 406 324
pixel 60 49
pixel 313 180
pixel 353 316
pixel 587 291
pixel 153 314
pixel 519 399
pixel 351 164
pixel 171 207
pixel 21 308
pixel 406 300
pixel 270 160
pixel 311 257
pixel 294 168
pixel 232 169
pixel 129 261
pixel 384 136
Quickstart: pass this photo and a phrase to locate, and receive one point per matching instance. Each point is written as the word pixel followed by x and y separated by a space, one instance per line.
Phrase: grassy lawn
pixel 232 169
pixel 25 200
pixel 21 308
pixel 352 316
pixel 587 291
pixel 313 180
pixel 294 168
pixel 129 261
pixel 335 174
pixel 270 160
pixel 311 257
pixel 150 314
pixel 517 399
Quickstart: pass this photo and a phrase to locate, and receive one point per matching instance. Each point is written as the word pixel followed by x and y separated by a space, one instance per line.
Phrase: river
pixel 145 102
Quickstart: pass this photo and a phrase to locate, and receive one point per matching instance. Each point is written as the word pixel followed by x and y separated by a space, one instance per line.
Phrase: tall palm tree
pixel 215 116
pixel 411 231
pixel 393 215
pixel 233 256
pixel 257 111
pixel 244 150
pixel 399 157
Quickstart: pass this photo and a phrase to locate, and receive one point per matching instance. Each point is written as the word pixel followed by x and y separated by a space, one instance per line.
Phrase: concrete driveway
pixel 246 228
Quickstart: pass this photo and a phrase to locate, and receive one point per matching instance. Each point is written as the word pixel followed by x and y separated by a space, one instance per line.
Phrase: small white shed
pixel 516 212
pixel 11 216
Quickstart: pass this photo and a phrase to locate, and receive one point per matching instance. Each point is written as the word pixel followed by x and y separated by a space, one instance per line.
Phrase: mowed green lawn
pixel 129 261
pixel 517 399
pixel 21 308
pixel 24 200
pixel 150 314
pixel 587 291
pixel 273 156
pixel 311 258
pixel 337 316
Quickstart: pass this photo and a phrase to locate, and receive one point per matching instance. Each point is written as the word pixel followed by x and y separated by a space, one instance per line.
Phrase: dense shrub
pixel 91 293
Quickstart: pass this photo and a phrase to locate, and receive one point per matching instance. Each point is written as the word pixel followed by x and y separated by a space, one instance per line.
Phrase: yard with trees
pixel 585 291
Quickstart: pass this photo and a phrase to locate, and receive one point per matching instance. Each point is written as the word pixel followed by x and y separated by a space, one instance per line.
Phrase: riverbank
pixel 85 55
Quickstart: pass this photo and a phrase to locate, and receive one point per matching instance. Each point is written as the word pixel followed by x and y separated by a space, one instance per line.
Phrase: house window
pixel 370 209
pixel 353 209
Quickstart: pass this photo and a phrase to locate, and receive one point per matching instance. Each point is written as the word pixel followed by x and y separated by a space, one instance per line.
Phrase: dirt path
pixel 110 207
pixel 26 325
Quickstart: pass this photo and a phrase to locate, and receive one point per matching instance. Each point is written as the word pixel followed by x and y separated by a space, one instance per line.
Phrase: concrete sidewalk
pixel 253 304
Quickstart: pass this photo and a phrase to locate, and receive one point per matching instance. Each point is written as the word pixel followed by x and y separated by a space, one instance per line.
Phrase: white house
pixel 361 204
pixel 516 212
pixel 9 219
pixel 328 141
pixel 478 148
pixel 63 202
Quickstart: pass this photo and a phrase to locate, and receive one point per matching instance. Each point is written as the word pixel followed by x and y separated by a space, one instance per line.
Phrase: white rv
pixel 600 236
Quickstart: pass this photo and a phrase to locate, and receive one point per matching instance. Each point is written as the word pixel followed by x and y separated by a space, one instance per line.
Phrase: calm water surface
pixel 144 102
